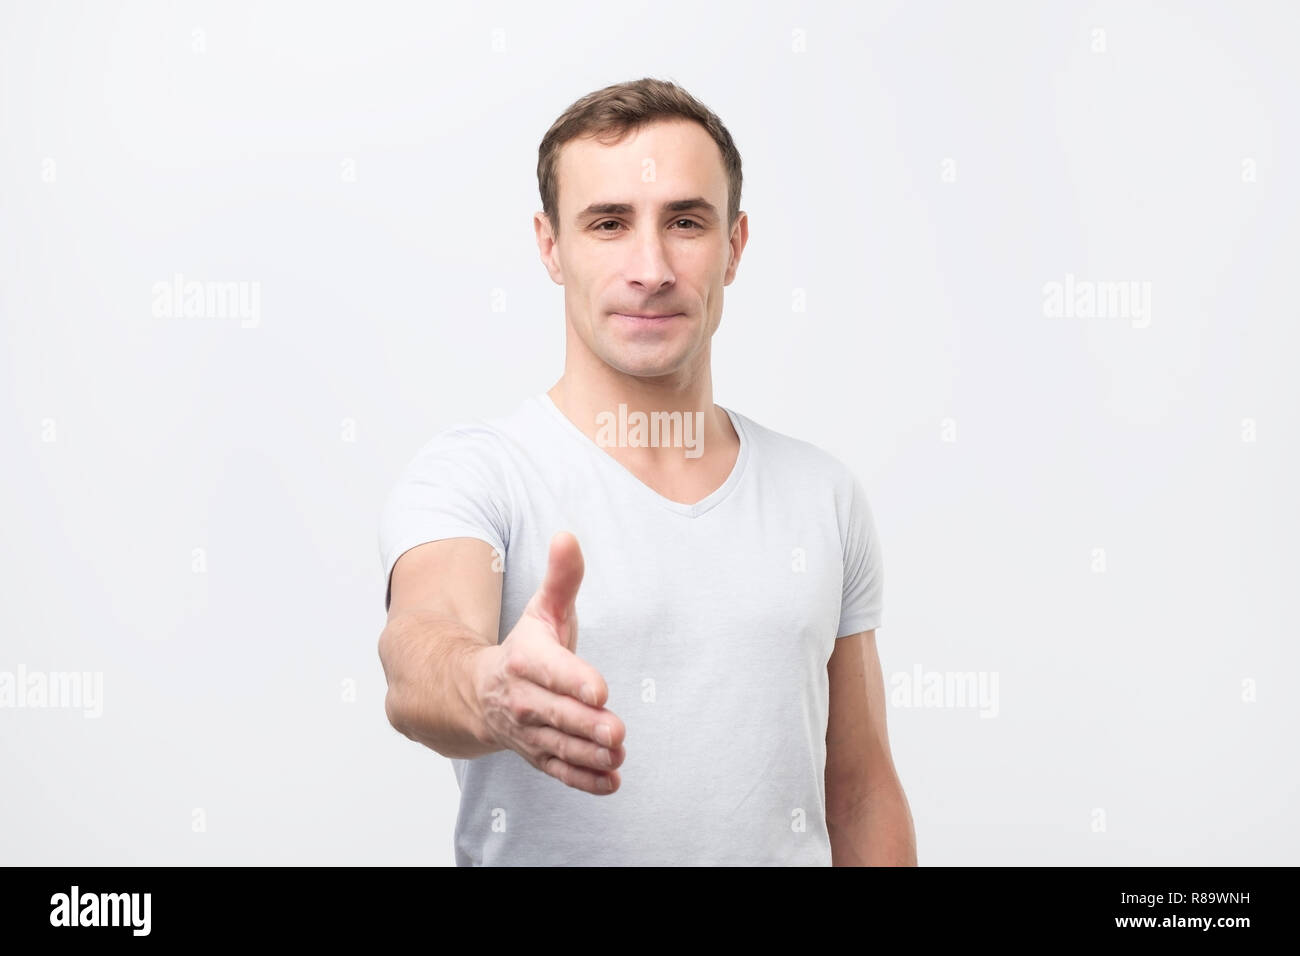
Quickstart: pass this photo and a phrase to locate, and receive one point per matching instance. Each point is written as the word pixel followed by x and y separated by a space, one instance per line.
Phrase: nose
pixel 648 264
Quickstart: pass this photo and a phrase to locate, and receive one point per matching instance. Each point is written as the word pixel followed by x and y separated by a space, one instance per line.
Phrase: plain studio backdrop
pixel 1028 269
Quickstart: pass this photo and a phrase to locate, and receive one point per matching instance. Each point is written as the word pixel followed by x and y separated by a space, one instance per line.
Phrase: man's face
pixel 643 232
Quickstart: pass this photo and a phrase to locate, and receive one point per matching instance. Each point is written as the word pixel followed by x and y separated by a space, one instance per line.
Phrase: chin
pixel 644 366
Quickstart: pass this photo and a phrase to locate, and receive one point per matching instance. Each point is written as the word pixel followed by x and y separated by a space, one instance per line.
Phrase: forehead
pixel 661 158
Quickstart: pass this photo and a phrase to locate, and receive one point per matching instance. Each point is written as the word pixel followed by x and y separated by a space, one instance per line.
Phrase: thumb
pixel 554 599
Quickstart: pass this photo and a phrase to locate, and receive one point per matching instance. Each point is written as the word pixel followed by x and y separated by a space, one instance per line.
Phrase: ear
pixel 547 247
pixel 739 237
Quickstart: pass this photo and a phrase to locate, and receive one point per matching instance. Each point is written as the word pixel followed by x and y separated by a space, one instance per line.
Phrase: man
pixel 641 624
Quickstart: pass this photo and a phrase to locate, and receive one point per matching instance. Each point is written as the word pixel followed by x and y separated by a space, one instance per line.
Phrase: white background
pixel 917 172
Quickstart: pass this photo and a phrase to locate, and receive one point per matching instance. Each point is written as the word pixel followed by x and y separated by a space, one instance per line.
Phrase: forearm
pixel 877 832
pixel 430 662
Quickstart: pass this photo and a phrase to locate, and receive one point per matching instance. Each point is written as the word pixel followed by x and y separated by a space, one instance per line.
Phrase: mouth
pixel 650 318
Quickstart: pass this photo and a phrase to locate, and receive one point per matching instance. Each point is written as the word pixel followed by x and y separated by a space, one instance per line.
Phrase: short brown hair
pixel 611 113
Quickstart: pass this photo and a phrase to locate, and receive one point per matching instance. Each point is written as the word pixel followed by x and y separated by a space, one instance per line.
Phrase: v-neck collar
pixel 706 503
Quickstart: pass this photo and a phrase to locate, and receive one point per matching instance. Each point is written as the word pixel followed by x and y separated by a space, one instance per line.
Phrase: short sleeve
pixel 860 608
pixel 453 488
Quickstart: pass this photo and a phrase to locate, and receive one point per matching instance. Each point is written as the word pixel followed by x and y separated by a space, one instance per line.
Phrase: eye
pixel 691 224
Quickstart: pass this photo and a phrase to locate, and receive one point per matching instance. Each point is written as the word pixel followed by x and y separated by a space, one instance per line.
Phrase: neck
pixel 603 403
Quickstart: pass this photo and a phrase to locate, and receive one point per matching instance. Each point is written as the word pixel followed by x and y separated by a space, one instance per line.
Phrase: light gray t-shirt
pixel 712 624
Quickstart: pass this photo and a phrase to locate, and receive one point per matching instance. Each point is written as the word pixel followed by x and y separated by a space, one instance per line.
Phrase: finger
pixel 538 706
pixel 577 751
pixel 600 784
pixel 559 670
pixel 564 568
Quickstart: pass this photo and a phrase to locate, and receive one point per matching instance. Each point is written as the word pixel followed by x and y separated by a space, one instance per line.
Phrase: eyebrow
pixel 696 204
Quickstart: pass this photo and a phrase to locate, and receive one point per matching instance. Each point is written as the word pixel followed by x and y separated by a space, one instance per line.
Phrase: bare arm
pixel 446 603
pixel 867 815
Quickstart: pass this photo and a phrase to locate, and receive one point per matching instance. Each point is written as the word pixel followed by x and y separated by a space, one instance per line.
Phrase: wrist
pixel 477 663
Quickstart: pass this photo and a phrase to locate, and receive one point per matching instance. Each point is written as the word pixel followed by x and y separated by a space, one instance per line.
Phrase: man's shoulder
pixel 482 437
pixel 797 456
